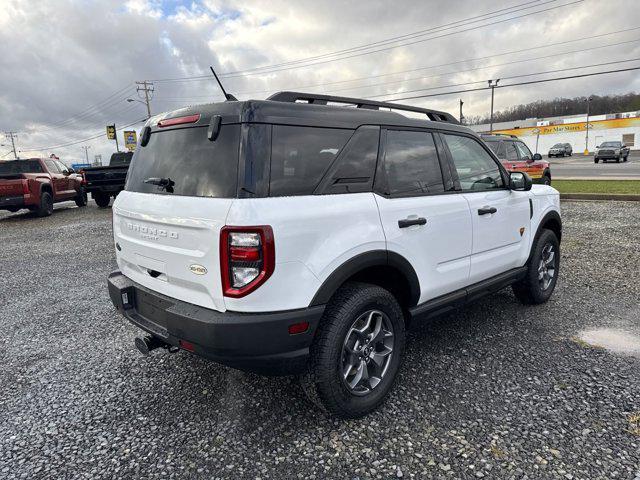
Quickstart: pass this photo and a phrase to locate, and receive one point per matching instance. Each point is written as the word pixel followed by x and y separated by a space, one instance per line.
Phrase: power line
pixel 81 141
pixel 452 72
pixel 511 77
pixel 514 84
pixel 273 70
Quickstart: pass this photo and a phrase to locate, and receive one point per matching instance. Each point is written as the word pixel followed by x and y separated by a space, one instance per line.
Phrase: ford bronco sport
pixel 516 157
pixel 295 235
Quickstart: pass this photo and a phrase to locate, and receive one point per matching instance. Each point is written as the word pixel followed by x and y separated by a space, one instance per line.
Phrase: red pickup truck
pixel 38 183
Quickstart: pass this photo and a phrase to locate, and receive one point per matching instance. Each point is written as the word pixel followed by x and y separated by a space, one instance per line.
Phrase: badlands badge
pixel 197 269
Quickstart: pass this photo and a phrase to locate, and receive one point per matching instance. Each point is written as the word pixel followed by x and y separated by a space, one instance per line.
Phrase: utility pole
pixel 461 116
pixel 13 136
pixel 586 140
pixel 492 84
pixel 86 152
pixel 147 88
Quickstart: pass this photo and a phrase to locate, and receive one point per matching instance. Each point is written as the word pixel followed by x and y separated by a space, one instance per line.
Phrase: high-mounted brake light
pixel 247 259
pixel 169 122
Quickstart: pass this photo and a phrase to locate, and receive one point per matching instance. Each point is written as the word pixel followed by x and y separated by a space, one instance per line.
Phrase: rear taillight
pixel 247 259
pixel 25 187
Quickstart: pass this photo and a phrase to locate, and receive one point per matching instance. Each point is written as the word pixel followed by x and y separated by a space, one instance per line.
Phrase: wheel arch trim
pixel 374 258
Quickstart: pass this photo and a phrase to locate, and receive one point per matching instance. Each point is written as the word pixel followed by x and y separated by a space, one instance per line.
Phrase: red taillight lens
pixel 25 187
pixel 247 259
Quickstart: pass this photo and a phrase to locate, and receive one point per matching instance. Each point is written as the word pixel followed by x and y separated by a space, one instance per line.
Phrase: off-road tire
pixel 46 205
pixel 81 198
pixel 101 199
pixel 529 290
pixel 322 382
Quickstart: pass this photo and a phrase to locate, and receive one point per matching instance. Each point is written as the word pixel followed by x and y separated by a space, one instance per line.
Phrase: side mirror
pixel 597 146
pixel 520 181
pixel 536 157
pixel 71 170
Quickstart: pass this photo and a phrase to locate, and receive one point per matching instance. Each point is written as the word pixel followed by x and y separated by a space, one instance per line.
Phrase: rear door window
pixel 300 156
pixel 188 162
pixel 411 163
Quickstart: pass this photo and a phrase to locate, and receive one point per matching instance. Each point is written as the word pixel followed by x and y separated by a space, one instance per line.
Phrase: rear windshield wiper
pixel 165 183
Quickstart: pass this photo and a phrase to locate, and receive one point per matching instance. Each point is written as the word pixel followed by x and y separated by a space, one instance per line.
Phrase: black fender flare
pixel 553 215
pixel 362 261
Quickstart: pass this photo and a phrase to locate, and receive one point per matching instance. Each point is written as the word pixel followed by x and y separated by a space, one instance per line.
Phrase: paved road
pixel 578 166
pixel 495 390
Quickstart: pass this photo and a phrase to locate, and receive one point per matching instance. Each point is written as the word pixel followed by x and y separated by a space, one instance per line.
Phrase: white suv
pixel 296 235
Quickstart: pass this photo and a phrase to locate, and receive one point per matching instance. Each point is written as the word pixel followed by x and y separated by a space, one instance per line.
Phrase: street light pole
pixel 586 139
pixel 86 152
pixel 493 84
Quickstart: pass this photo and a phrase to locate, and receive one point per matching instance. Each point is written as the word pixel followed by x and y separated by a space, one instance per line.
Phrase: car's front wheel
pixel 357 351
pixel 542 270
pixel 595 160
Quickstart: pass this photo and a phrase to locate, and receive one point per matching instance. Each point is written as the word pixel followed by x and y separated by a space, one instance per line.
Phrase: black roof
pixel 315 110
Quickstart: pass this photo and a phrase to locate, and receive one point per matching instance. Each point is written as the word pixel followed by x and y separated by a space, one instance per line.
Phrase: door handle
pixel 408 222
pixel 486 210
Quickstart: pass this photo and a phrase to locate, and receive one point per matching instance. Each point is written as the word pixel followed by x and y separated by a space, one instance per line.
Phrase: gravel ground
pixel 496 390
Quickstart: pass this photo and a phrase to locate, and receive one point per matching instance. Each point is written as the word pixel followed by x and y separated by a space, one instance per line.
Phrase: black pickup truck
pixel 106 182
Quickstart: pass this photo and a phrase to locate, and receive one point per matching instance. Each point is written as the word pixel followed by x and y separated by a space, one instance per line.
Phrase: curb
pixel 600 196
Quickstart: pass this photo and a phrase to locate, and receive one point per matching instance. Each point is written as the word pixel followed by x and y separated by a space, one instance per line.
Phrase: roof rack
pixel 318 99
pixel 498 135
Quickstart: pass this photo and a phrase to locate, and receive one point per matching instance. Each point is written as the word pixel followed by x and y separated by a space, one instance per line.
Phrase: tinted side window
pixel 63 168
pixel 354 169
pixel 525 153
pixel 300 156
pixel 476 169
pixel 411 163
pixel 511 152
pixel 51 165
pixel 495 147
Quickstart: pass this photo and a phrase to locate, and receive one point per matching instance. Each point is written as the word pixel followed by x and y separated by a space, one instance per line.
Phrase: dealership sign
pixel 130 139
pixel 572 127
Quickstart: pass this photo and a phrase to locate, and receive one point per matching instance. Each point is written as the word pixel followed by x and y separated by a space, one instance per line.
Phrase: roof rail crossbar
pixel 319 99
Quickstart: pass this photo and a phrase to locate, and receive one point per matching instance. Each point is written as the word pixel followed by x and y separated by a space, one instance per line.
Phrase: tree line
pixel 559 107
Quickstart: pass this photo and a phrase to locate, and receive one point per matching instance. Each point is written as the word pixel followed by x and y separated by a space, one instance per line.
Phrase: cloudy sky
pixel 67 68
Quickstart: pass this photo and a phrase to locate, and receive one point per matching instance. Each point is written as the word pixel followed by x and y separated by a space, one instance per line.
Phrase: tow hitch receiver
pixel 148 343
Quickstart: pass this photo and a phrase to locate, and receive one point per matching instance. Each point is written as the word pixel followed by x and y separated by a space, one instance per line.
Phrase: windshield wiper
pixel 165 183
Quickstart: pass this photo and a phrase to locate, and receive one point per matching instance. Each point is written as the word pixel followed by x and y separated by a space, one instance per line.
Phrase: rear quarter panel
pixel 314 235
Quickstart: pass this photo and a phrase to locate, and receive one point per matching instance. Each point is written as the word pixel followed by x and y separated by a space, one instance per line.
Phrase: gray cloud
pixel 61 60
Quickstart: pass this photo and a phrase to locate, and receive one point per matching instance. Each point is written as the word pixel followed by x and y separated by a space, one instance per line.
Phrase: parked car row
pixel 38 183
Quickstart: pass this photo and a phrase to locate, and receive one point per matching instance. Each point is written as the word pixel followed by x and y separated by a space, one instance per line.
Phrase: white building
pixel 541 134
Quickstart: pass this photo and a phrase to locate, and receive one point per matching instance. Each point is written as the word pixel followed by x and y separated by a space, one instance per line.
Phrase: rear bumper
pixel 13 201
pixel 256 342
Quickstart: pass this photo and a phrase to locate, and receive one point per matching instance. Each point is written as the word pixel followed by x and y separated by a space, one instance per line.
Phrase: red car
pixel 516 157
pixel 37 184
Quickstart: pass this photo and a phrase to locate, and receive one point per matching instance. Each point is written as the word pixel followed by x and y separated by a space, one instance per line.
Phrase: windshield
pixel 20 166
pixel 611 144
pixel 185 162
pixel 558 145
pixel 120 158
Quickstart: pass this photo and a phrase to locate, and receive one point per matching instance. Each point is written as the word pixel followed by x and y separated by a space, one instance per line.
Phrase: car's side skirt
pixel 458 298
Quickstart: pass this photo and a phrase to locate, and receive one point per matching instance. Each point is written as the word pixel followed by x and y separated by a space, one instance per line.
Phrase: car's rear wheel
pixel 101 199
pixel 81 198
pixel 357 351
pixel 46 205
pixel 542 271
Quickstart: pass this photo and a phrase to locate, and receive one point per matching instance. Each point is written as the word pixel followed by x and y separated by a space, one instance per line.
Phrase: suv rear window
pixel 301 155
pixel 20 166
pixel 196 166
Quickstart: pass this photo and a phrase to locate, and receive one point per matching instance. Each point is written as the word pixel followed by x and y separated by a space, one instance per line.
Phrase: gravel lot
pixel 496 390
